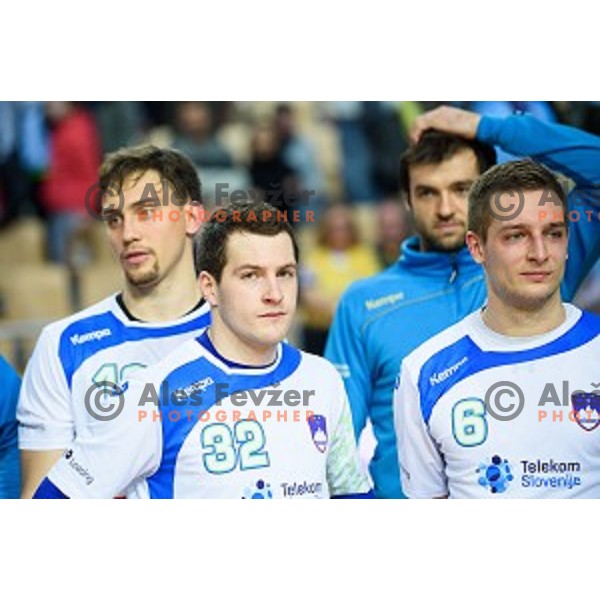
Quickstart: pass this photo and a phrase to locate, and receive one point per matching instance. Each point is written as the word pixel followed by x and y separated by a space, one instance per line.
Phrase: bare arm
pixel 35 465
pixel 44 413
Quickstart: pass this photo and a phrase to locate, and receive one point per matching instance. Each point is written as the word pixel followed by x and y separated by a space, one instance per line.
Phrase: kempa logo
pixel 343 369
pixel 198 386
pixel 78 339
pixel 443 375
pixel 385 300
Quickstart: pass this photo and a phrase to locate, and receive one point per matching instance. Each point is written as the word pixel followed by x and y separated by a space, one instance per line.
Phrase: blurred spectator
pixel 34 144
pixel 338 259
pixel 23 155
pixel 357 160
pixel 372 138
pixel 120 124
pixel 387 142
pixel 393 228
pixel 73 170
pixel 157 113
pixel 195 137
pixel 11 174
pixel 271 176
pixel 10 470
pixel 299 154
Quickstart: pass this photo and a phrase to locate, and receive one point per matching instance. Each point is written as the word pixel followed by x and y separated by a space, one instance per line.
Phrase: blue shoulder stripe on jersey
pixel 464 358
pixel 48 491
pixel 176 427
pixel 84 338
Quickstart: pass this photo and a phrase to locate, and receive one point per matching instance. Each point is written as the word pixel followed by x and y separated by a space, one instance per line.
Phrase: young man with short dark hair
pixel 503 404
pixel 236 412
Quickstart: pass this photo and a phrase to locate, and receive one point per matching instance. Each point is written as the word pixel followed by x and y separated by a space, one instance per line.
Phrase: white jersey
pixel 99 345
pixel 482 415
pixel 198 426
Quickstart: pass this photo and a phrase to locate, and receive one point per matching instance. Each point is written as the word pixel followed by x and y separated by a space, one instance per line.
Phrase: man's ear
pixel 476 247
pixel 195 215
pixel 209 288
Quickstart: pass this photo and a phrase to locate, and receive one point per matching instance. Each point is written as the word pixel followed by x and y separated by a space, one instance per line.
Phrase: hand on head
pixel 446 119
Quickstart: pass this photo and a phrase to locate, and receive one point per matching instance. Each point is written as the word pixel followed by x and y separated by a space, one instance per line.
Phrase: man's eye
pixel 145 213
pixel 514 236
pixel 250 275
pixel 113 220
pixel 288 273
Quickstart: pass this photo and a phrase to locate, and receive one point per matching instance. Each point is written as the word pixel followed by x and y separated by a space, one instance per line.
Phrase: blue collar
pixel 430 263
pixel 204 340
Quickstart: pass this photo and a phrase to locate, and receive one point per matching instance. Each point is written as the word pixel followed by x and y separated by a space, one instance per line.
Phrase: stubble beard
pixel 433 243
pixel 144 278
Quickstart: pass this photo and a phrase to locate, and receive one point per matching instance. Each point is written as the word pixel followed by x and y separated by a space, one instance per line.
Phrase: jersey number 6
pixel 469 426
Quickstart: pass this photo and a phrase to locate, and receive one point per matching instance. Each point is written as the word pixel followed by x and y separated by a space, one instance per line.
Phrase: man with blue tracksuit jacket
pixel 435 283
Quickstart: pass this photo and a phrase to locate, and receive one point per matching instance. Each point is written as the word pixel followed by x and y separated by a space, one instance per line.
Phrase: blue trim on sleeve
pixel 48 491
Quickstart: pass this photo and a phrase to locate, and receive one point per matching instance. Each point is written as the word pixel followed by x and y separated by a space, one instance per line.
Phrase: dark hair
pixel 247 216
pixel 514 176
pixel 172 165
pixel 435 147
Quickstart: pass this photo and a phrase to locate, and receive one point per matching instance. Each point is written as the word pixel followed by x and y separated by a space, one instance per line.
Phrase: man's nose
pixel 446 206
pixel 538 249
pixel 130 228
pixel 273 291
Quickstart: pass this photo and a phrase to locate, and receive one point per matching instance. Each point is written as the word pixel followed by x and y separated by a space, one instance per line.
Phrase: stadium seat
pixel 35 291
pixel 98 281
pixel 32 295
pixel 24 240
pixel 89 245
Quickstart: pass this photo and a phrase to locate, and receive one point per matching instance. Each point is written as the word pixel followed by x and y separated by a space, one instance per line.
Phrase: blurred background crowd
pixel 340 157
